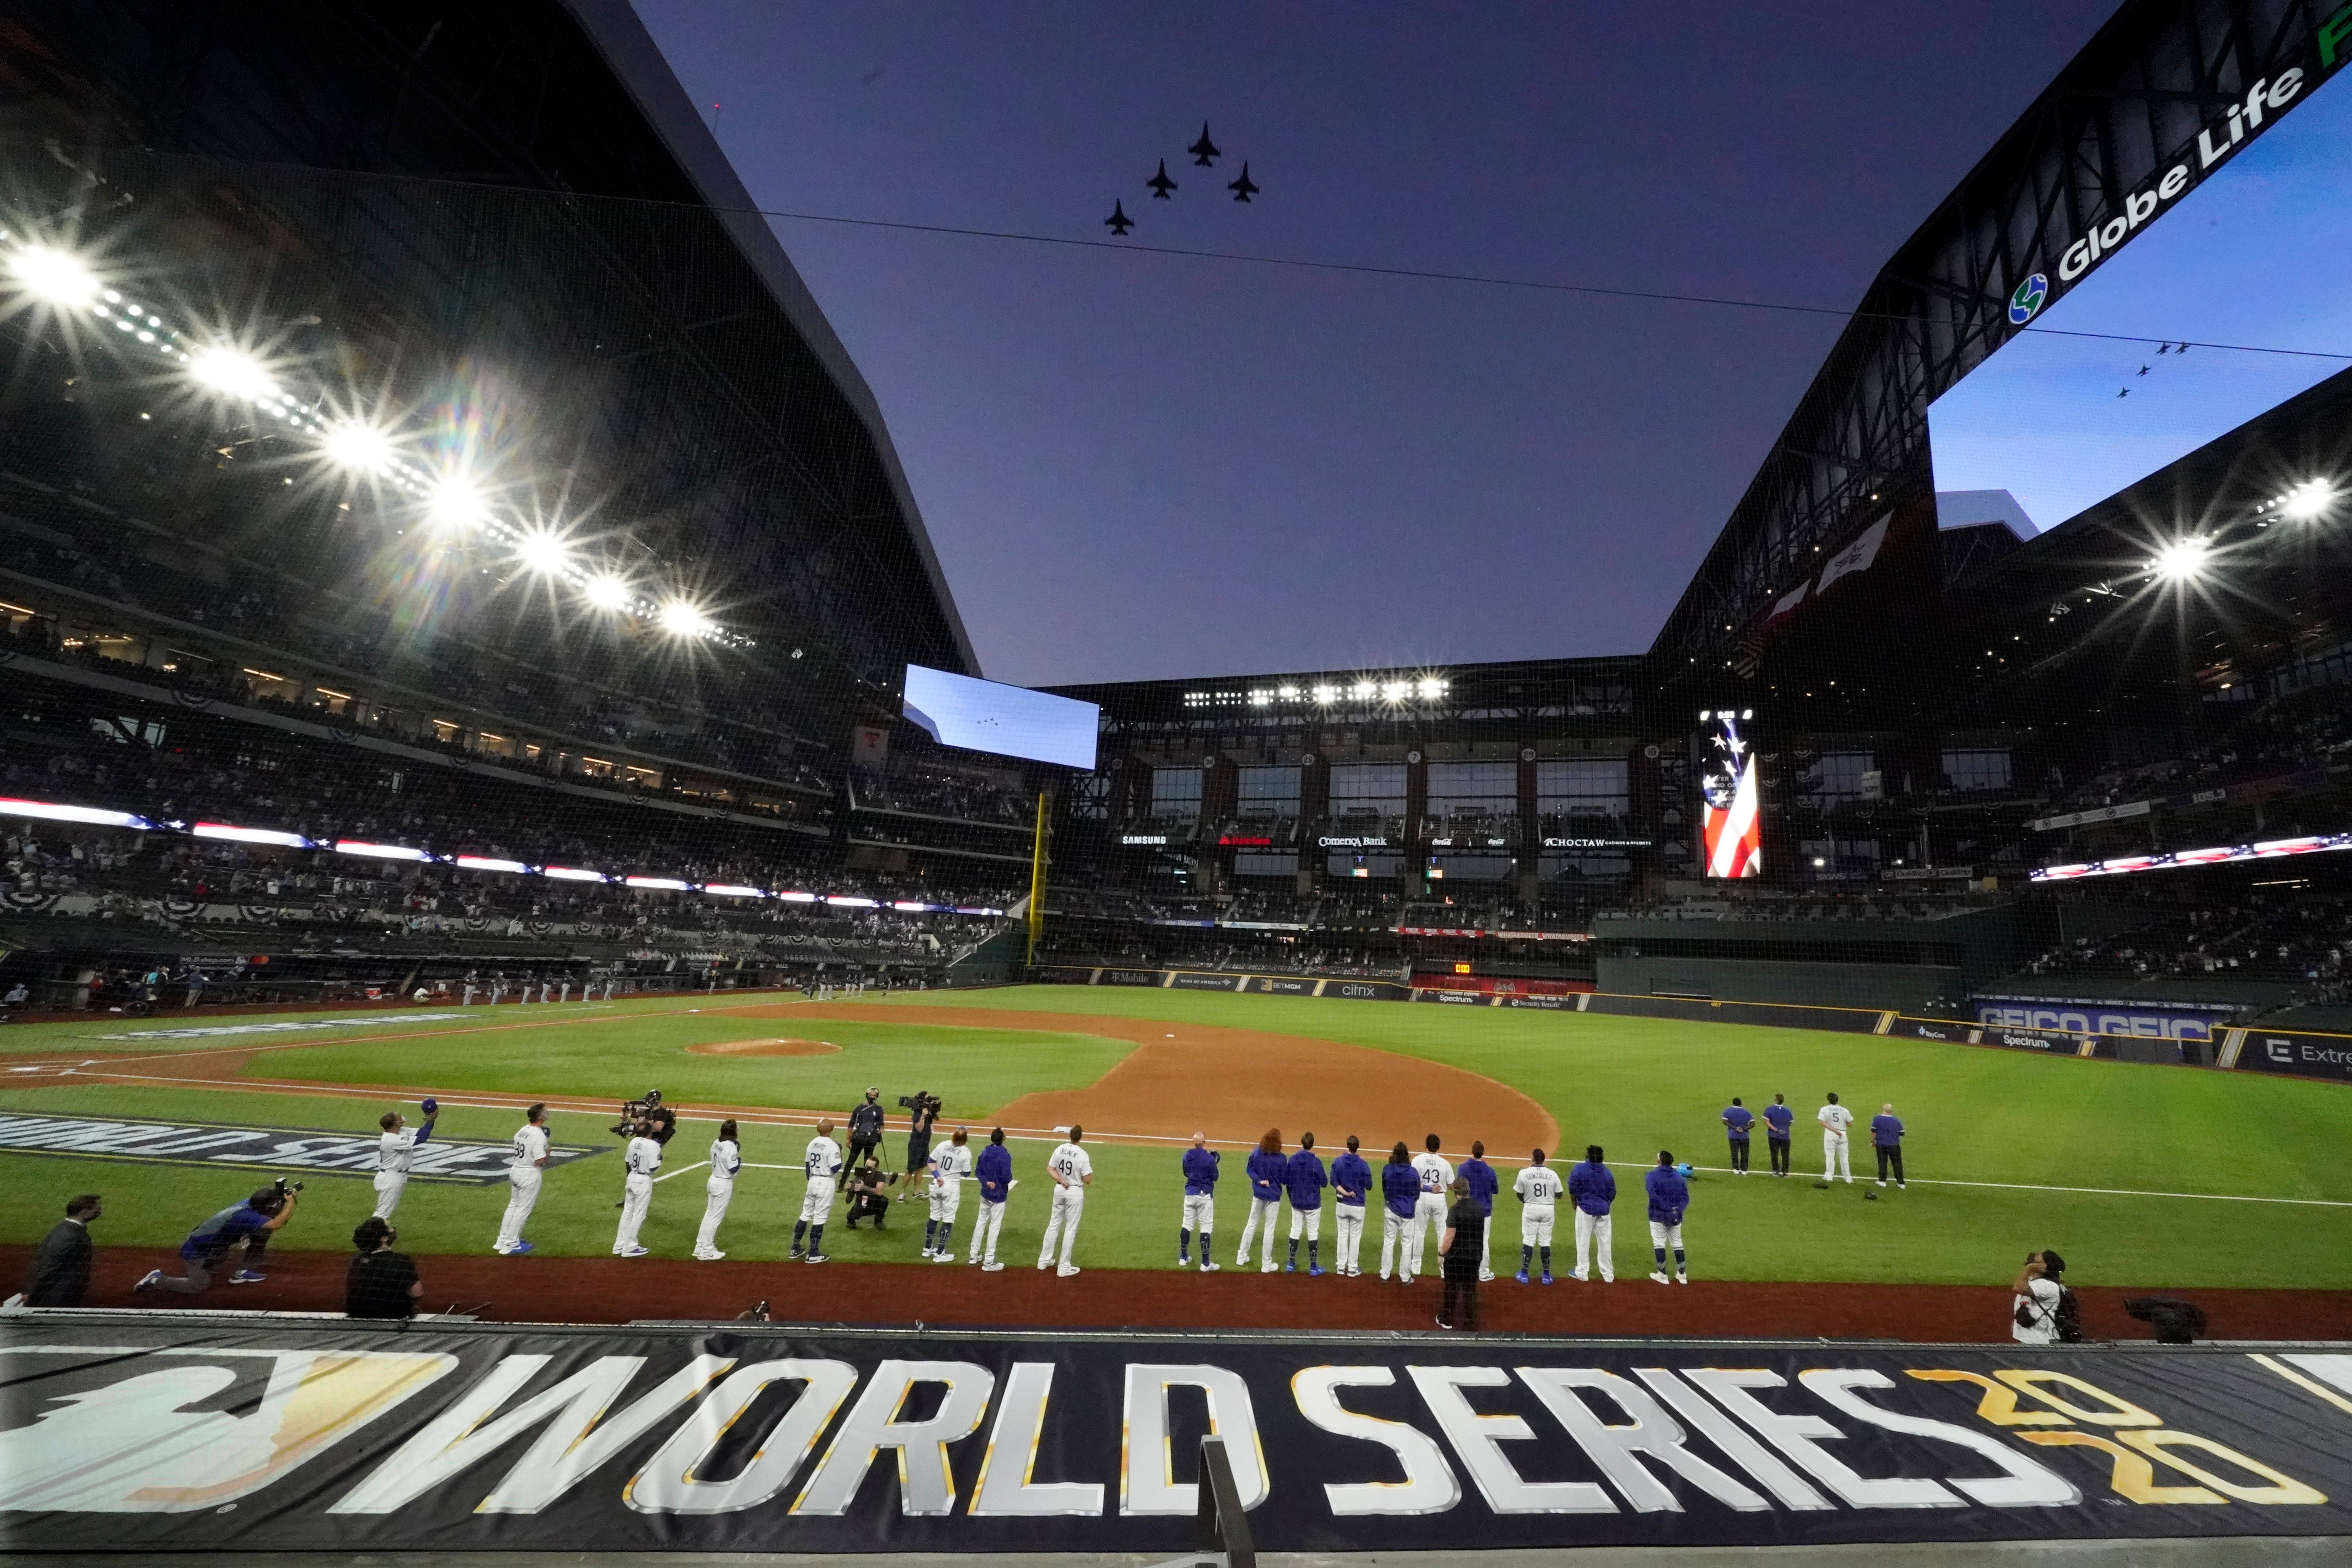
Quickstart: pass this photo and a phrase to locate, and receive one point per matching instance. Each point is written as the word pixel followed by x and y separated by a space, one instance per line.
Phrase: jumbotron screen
pixel 2160 331
pixel 1731 804
pixel 1003 721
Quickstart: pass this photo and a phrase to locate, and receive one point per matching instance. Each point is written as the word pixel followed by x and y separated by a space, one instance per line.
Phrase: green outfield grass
pixel 2018 1122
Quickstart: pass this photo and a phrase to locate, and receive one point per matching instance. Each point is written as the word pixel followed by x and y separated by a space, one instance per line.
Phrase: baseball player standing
pixel 523 1174
pixel 1071 1171
pixel 1267 1171
pixel 1352 1178
pixel 1200 1204
pixel 726 1159
pixel 398 1142
pixel 1538 1194
pixel 995 1173
pixel 1484 1186
pixel 822 1164
pixel 642 1160
pixel 1594 1187
pixel 1400 1200
pixel 1669 1198
pixel 949 1167
pixel 1436 1175
pixel 1305 1179
pixel 1834 1120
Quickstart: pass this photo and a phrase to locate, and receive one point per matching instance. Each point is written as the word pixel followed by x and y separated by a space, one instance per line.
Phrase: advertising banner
pixel 1182 982
pixel 123 1435
pixel 2289 1051
pixel 1283 986
pixel 2146 1021
pixel 296 1149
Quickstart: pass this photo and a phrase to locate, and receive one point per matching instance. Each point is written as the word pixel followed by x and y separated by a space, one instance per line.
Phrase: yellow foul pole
pixel 1037 882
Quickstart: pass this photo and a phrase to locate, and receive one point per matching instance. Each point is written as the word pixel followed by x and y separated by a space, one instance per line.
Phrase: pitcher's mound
pixel 765 1049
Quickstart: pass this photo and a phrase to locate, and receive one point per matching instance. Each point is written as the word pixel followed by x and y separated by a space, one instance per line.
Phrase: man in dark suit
pixel 61 1269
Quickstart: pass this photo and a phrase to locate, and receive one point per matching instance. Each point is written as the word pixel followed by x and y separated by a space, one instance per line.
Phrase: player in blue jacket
pixel 1484 1186
pixel 1592 1187
pixel 1200 1204
pixel 1267 1172
pixel 1669 1196
pixel 1304 1180
pixel 1887 1138
pixel 1399 1197
pixel 1778 1120
pixel 994 1171
pixel 1738 1121
pixel 1352 1178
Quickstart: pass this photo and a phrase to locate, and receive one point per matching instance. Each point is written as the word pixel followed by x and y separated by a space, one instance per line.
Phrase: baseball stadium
pixel 549 1006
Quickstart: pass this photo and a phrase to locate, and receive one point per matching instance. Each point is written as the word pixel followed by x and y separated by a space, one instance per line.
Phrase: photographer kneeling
pixel 869 1194
pixel 381 1283
pixel 208 1246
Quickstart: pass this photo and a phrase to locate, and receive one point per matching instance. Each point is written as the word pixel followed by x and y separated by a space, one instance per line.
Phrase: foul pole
pixel 1037 883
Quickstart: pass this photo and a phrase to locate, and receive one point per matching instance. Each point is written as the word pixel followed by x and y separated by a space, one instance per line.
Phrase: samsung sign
pixel 2076 1019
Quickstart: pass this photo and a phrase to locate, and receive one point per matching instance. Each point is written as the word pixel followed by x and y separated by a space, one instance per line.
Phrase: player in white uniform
pixel 1072 1172
pixel 821 1166
pixel 523 1173
pixel 1429 1211
pixel 1834 1120
pixel 392 1154
pixel 1539 1190
pixel 640 1162
pixel 947 1168
pixel 726 1159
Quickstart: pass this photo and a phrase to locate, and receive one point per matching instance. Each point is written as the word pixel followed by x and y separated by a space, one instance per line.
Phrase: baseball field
pixel 2142 1175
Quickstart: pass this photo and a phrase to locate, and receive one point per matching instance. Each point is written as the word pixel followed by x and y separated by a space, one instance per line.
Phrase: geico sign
pixel 2070 1020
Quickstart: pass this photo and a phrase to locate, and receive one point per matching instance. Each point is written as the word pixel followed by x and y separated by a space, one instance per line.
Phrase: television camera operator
pixel 251 1223
pixel 650 1108
pixel 922 1109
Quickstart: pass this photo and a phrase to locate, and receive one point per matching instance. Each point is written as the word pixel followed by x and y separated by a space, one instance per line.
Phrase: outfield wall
pixel 2296 1052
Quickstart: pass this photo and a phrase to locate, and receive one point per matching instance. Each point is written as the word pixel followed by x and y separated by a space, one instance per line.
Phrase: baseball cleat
pixel 1291 1267
pixel 1487 1278
pixel 1313 1272
pixel 1546 1278
pixel 1065 1271
pixel 635 1251
pixel 1658 1279
pixel 1903 1187
pixel 1210 1267
pixel 247 1276
pixel 1182 1261
pixel 819 1257
pixel 1265 1268
pixel 1881 1182
pixel 520 1247
pixel 709 1256
pixel 1579 1275
pixel 153 1278
pixel 1682 1278
pixel 1521 1276
pixel 990 1268
pixel 796 1255
pixel 943 1258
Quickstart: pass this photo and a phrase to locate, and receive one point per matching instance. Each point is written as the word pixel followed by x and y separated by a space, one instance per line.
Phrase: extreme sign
pixel 262 1148
pixel 118 1435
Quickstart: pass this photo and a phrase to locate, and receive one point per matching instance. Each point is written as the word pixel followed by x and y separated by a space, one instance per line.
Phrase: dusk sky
pixel 1148 466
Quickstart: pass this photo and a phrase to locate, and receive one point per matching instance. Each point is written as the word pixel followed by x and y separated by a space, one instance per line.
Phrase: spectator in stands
pixel 60 1271
pixel 381 1283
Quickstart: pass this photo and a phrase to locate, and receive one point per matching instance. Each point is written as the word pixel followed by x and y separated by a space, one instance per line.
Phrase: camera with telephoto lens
pixel 917 1100
pixel 286 1186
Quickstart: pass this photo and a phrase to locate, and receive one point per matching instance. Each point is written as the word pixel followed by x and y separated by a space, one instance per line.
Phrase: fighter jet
pixel 1204 152
pixel 1160 184
pixel 1119 223
pixel 1242 188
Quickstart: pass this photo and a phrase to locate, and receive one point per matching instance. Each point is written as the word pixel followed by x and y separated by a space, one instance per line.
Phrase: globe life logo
pixel 2028 298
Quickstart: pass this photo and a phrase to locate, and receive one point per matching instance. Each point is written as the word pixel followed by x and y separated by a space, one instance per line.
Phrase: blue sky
pixel 2254 255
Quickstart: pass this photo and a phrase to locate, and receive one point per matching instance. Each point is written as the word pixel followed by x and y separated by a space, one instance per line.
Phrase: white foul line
pixel 2036 1188
pixel 682 1170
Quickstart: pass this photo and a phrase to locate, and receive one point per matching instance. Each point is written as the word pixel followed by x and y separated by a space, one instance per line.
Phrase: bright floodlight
pixel 544 552
pixel 456 502
pixel 606 591
pixel 2307 500
pixel 237 375
pixel 361 446
pixel 681 619
pixel 53 277
pixel 2183 561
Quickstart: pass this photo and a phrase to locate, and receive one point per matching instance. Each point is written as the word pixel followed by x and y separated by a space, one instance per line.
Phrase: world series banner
pixel 127 1433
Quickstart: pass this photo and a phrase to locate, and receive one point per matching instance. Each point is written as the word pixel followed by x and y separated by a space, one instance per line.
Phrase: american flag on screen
pixel 1732 814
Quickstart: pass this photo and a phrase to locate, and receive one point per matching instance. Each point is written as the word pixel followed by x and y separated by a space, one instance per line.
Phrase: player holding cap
pixel 1268 1170
pixel 1072 1171
pixel 948 1167
pixel 1436 1174
pixel 1352 1178
pixel 726 1159
pixel 822 1164
pixel 523 1174
pixel 1200 1204
pixel 1538 1192
pixel 1834 1120
pixel 1484 1186
pixel 996 1172
pixel 642 1160
pixel 394 1149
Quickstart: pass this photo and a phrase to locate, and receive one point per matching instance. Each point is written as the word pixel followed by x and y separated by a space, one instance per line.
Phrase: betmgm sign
pixel 117 1435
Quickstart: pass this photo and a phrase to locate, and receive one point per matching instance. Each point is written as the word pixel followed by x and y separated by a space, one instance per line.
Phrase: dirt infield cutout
pixel 1233 1084
pixel 779 1047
